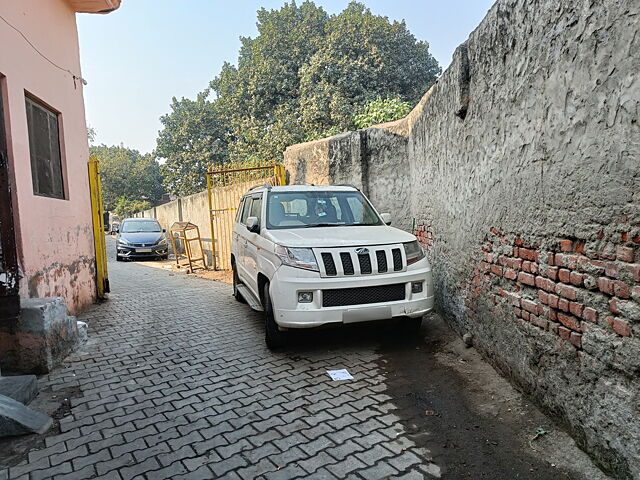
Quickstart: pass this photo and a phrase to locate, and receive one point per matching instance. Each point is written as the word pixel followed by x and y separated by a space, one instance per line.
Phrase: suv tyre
pixel 273 336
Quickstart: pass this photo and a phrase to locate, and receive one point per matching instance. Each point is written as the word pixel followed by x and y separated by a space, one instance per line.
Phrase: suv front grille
pixel 329 264
pixel 365 263
pixel 347 263
pixel 381 256
pixel 397 259
pixel 363 295
pixel 338 262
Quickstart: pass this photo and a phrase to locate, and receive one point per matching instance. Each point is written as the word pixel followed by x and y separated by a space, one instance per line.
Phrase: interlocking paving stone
pixel 344 467
pixel 232 463
pixel 381 471
pixel 139 468
pixel 176 382
pixel 107 466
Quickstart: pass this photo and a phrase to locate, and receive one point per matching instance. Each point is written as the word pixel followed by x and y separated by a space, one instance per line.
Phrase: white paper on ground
pixel 339 374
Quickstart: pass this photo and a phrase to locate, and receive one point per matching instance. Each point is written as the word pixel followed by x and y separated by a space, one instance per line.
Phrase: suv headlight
pixel 162 241
pixel 297 257
pixel 122 241
pixel 413 251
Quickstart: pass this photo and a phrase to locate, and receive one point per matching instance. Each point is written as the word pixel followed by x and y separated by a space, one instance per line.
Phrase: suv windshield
pixel 133 226
pixel 319 209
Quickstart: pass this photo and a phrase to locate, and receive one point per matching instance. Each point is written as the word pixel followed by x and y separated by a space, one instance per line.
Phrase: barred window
pixel 44 148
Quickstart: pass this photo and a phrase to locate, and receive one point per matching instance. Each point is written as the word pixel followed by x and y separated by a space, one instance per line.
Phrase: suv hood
pixel 345 236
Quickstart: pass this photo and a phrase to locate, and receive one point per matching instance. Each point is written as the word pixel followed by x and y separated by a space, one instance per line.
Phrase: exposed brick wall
pixel 424 235
pixel 566 288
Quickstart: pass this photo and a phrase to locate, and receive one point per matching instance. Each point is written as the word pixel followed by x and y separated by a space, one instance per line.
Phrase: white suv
pixel 313 255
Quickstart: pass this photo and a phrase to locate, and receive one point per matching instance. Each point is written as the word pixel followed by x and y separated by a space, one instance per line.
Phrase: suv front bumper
pixel 287 282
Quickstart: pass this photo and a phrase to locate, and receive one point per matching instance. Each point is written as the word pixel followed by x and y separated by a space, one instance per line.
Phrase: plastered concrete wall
pixel 521 167
pixel 347 159
pixel 54 237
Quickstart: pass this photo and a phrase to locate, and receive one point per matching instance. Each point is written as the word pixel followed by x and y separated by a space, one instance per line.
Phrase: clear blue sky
pixel 140 56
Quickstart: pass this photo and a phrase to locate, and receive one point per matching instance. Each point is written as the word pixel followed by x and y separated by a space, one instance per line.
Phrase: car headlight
pixel 122 241
pixel 162 241
pixel 297 257
pixel 413 251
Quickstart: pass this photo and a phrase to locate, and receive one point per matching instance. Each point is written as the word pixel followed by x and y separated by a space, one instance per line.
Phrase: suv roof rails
pixel 263 185
pixel 346 185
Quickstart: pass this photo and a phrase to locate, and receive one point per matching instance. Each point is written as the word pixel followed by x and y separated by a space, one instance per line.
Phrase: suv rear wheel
pixel 273 336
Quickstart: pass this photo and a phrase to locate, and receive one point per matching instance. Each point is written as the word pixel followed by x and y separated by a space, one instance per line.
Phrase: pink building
pixel 46 243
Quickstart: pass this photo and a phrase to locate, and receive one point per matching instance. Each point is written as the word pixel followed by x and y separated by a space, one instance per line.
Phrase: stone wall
pixel 521 170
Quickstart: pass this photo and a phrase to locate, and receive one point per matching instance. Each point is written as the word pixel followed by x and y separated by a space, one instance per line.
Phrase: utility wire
pixel 75 77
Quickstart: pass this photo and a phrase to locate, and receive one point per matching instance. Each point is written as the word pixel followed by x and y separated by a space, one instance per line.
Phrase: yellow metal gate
pixel 97 214
pixel 225 189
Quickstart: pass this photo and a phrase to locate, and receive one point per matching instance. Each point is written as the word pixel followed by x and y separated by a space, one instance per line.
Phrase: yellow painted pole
pixel 213 238
pixel 281 175
pixel 97 216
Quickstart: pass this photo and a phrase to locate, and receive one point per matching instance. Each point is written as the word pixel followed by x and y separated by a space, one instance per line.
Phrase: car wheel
pixel 236 294
pixel 118 258
pixel 274 338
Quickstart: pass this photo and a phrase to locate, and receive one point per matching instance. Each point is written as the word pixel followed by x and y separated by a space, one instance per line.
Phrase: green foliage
pixel 193 137
pixel 381 111
pixel 260 98
pixel 126 206
pixel 327 133
pixel 91 134
pixel 362 57
pixel 304 76
pixel 126 172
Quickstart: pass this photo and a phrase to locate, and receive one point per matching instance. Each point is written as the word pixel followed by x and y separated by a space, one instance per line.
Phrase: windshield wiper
pixel 324 225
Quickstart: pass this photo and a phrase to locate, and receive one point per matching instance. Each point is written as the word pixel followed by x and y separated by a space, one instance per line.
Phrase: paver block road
pixel 175 382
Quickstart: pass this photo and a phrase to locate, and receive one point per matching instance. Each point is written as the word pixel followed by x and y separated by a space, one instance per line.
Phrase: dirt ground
pixel 170 265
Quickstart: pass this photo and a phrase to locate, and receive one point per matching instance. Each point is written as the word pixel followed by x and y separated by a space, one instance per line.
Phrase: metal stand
pixel 189 233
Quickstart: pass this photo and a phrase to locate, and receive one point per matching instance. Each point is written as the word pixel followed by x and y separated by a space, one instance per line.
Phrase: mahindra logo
pixel 362 251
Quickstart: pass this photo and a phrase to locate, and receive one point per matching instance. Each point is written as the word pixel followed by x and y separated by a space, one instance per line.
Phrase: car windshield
pixel 319 209
pixel 133 226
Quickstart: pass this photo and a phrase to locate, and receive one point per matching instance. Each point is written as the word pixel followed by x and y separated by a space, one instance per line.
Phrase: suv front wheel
pixel 273 336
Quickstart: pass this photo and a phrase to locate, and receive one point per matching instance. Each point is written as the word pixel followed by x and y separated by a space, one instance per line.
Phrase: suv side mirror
pixel 253 224
pixel 164 230
pixel 386 218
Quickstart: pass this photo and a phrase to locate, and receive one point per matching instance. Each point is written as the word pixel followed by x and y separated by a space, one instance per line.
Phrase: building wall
pixel 55 239
pixel 521 168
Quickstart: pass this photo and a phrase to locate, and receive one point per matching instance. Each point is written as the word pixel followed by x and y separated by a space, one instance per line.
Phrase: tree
pixel 91 134
pixel 126 206
pixel 126 172
pixel 363 56
pixel 304 76
pixel 380 111
pixel 260 98
pixel 193 137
